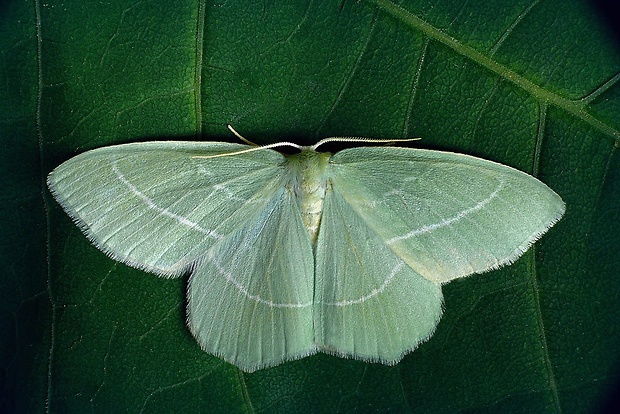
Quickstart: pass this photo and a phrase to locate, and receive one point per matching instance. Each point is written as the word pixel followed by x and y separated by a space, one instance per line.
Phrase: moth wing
pixel 369 304
pixel 446 215
pixel 250 298
pixel 157 207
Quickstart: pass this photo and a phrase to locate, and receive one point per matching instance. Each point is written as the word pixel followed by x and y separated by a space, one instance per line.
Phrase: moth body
pixel 310 184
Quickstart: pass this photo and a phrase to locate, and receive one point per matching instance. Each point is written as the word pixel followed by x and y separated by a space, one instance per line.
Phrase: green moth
pixel 290 255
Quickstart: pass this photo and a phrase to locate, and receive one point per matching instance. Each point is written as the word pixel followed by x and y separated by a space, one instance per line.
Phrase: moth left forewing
pixel 157 207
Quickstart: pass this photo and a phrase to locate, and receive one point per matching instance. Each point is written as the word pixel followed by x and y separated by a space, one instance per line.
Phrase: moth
pixel 289 255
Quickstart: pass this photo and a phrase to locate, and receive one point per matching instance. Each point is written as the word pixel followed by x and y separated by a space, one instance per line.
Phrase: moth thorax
pixel 312 184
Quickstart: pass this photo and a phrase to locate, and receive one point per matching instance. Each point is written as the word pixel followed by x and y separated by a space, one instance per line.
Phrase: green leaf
pixel 534 85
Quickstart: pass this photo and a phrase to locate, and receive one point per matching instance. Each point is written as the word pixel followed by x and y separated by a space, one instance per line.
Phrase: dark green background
pixel 532 84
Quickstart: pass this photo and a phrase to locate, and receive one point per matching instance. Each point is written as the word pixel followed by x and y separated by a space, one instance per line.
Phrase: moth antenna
pixel 255 147
pixel 241 137
pixel 362 139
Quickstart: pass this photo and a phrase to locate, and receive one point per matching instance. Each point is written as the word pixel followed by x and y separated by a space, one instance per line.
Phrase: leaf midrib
pixel 574 107
pixel 200 33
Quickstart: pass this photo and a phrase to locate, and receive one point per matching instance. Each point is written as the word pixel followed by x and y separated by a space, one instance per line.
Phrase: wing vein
pixel 446 222
pixel 161 210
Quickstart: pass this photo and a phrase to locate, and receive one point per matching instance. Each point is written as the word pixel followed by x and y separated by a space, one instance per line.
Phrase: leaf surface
pixel 533 85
